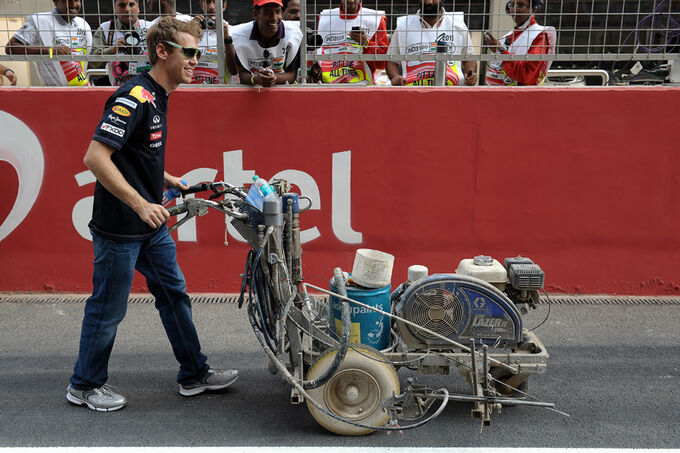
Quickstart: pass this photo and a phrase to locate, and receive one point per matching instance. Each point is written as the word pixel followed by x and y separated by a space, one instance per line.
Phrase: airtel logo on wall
pixel 235 174
pixel 21 149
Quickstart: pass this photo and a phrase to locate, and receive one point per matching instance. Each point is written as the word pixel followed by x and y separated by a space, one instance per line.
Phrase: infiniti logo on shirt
pixel 156 119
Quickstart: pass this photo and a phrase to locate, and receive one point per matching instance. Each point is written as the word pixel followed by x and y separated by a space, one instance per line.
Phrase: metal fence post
pixel 221 51
pixel 303 45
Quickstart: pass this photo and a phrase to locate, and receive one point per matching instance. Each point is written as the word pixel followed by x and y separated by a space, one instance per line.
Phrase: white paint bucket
pixel 372 268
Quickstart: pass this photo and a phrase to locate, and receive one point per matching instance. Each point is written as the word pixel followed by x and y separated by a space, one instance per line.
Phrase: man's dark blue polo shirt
pixel 135 125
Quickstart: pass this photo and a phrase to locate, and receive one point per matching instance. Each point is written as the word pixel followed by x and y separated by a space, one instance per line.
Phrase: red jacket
pixel 527 72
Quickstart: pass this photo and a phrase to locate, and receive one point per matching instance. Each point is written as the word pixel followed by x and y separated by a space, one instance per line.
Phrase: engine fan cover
pixel 459 308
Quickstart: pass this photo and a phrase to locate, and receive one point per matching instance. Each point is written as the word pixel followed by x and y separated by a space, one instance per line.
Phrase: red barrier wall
pixel 584 181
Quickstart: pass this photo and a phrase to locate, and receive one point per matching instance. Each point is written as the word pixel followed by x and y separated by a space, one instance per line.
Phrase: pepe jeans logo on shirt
pixel 155 135
pixel 116 120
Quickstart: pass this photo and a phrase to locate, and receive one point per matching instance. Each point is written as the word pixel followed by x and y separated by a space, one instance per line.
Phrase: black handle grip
pixel 202 187
pixel 177 210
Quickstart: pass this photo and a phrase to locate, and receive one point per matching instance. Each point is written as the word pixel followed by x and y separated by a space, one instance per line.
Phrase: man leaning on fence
pixel 422 34
pixel 350 29
pixel 528 37
pixel 56 32
pixel 268 48
pixel 125 34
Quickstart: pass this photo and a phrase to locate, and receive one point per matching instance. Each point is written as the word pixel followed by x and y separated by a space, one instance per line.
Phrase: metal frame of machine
pixel 470 324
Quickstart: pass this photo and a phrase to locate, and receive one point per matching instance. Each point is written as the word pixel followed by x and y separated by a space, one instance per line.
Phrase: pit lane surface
pixel 613 368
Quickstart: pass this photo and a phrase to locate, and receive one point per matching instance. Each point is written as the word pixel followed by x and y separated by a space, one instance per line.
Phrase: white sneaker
pixel 213 380
pixel 101 399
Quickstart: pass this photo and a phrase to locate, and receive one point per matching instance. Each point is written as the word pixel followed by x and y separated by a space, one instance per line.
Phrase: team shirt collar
pixel 158 89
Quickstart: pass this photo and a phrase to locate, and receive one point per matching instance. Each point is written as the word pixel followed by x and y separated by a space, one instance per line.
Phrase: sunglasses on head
pixel 188 52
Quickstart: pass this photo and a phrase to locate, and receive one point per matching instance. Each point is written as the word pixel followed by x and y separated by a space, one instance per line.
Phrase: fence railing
pixel 604 35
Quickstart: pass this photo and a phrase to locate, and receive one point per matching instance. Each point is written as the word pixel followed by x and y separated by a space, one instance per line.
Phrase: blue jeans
pixel 114 266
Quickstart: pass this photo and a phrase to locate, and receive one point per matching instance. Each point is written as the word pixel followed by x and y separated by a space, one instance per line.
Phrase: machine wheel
pixel 508 382
pixel 365 379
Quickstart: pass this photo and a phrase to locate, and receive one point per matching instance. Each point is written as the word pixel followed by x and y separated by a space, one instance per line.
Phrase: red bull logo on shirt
pixel 143 95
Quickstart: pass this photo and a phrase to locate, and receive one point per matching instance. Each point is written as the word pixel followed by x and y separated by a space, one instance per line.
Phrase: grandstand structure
pixel 615 37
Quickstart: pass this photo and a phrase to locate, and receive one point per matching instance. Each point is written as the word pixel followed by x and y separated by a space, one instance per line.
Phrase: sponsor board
pixel 342 216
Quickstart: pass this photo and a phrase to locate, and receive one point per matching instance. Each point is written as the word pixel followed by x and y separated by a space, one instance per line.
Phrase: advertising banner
pixel 586 182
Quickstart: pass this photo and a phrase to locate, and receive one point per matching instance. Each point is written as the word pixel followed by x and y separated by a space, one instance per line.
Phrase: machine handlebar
pixel 202 187
pixel 217 188
pixel 177 210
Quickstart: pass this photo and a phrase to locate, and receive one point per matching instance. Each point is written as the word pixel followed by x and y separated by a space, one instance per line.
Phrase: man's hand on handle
pixel 152 214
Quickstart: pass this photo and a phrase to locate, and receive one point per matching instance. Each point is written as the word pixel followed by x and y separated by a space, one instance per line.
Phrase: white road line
pixel 270 449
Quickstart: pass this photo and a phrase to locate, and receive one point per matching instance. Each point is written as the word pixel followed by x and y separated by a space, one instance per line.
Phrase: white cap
pixel 416 272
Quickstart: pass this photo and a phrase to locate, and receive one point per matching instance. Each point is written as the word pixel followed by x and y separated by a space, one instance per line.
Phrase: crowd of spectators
pixel 266 50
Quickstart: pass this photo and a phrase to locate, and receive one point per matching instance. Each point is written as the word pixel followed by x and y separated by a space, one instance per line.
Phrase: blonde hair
pixel 166 29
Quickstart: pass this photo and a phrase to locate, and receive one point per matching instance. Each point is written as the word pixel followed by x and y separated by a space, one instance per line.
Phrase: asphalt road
pixel 613 368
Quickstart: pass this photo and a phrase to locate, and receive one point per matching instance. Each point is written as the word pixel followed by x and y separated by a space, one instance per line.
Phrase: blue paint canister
pixel 295 198
pixel 368 327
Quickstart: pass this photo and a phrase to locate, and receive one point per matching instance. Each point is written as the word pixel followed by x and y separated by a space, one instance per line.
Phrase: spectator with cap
pixel 9 73
pixel 267 49
pixel 124 35
pixel 421 34
pixel 350 29
pixel 207 72
pixel 527 38
pixel 57 32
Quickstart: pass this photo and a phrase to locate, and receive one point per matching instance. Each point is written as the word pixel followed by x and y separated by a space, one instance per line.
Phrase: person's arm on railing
pixel 470 73
pixel 16 47
pixel 392 68
pixel 230 52
pixel 9 73
pixel 394 73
